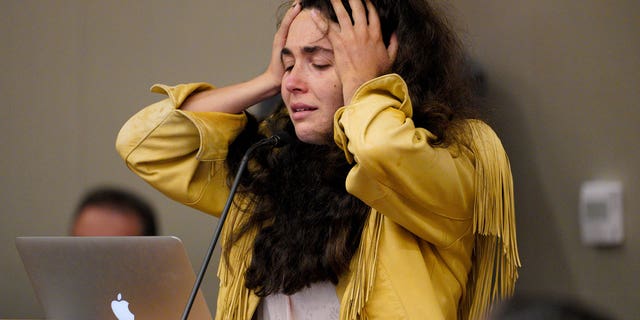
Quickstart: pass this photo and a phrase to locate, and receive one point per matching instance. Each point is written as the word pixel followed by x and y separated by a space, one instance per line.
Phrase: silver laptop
pixel 114 278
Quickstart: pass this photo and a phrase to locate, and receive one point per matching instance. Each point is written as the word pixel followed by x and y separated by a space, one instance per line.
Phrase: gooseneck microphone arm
pixel 277 140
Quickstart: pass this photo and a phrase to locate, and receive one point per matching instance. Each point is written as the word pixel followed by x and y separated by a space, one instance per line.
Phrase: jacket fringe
pixel 495 258
pixel 238 302
pixel 364 266
pixel 236 305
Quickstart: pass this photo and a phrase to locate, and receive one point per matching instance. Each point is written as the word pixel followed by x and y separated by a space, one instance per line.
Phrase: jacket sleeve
pixel 181 153
pixel 439 194
pixel 427 190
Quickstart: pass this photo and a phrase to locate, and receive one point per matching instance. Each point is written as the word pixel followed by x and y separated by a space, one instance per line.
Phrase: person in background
pixel 111 211
pixel 392 201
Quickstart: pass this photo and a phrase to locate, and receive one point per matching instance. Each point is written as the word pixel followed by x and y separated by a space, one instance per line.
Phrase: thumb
pixel 392 49
pixel 319 20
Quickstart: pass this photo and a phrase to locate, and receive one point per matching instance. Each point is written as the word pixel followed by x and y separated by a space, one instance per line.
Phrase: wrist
pixel 268 84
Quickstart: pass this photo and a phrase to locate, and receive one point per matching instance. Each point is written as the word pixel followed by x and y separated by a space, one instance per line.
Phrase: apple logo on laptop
pixel 121 309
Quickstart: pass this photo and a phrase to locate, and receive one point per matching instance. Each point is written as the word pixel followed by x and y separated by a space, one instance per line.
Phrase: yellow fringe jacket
pixel 440 240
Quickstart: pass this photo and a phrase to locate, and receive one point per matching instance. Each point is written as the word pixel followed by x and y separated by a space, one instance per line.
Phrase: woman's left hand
pixel 359 51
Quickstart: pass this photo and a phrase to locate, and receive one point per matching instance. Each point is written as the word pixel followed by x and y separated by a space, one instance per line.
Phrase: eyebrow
pixel 306 50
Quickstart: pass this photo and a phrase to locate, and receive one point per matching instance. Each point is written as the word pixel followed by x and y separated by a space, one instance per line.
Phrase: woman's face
pixel 310 88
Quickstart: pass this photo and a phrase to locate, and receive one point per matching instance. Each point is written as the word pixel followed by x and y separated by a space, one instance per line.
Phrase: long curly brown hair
pixel 308 225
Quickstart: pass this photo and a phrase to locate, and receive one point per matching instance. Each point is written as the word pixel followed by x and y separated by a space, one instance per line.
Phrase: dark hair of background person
pixel 289 256
pixel 124 200
pixel 531 307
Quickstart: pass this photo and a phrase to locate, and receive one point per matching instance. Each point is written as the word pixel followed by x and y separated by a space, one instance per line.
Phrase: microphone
pixel 275 141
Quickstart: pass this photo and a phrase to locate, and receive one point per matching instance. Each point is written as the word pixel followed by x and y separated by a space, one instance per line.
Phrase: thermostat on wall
pixel 601 220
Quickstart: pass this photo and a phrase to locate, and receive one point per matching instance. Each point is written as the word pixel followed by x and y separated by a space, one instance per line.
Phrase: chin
pixel 314 137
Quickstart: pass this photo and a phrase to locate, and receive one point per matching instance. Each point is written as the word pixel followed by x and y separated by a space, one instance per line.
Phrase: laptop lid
pixel 115 278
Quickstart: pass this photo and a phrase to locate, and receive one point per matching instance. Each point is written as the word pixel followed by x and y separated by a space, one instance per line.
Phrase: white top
pixel 317 302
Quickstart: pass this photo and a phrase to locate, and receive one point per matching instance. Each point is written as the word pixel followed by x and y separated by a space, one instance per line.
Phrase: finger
pixel 290 15
pixel 329 28
pixel 373 18
pixel 341 13
pixel 321 22
pixel 283 30
pixel 392 49
pixel 358 13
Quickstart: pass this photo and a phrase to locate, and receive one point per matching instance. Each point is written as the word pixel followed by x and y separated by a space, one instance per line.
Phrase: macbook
pixel 114 278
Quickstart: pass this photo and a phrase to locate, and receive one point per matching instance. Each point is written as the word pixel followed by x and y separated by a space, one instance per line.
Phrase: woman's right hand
pixel 238 97
pixel 275 70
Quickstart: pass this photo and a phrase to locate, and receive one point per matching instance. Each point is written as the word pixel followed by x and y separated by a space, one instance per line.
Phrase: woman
pixel 389 204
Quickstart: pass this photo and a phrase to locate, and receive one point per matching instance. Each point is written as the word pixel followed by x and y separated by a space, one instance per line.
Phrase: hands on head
pixel 275 70
pixel 319 63
pixel 316 64
pixel 359 50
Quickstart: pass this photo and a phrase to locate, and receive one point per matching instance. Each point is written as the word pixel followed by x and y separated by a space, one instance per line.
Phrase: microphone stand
pixel 274 141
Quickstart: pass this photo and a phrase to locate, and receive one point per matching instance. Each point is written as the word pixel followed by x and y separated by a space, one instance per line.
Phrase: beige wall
pixel 563 78
pixel 72 72
pixel 564 83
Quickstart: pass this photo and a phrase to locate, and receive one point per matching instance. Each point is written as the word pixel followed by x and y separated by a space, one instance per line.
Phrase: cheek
pixel 337 96
pixel 332 89
pixel 284 93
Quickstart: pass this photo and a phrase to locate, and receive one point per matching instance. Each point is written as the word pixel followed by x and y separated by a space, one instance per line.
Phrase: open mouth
pixel 302 109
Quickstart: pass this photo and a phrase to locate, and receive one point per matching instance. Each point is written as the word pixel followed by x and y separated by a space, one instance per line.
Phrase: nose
pixel 295 81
